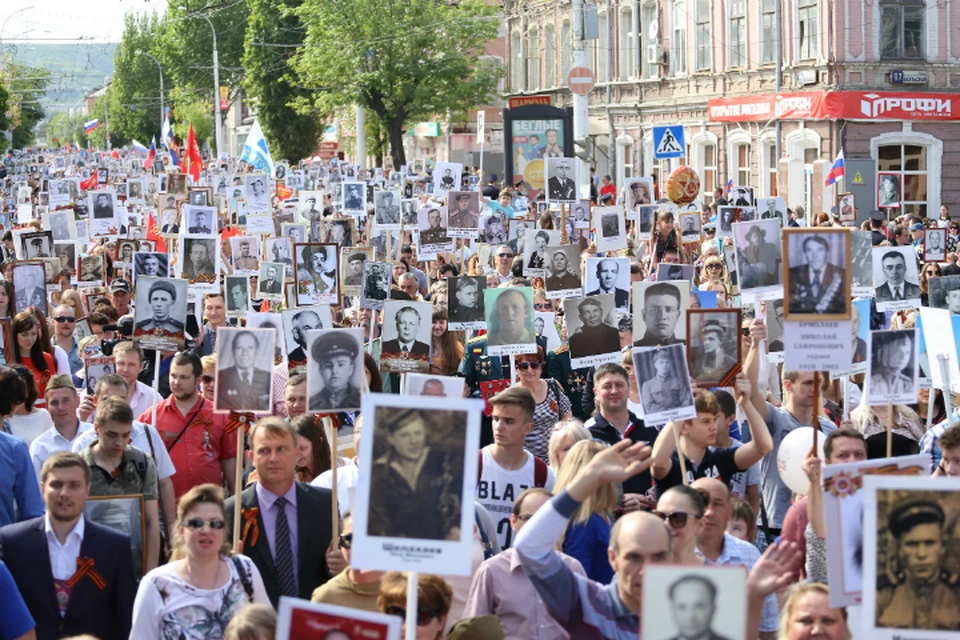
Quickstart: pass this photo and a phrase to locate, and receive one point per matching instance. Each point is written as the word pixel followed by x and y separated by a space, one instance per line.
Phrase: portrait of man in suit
pixel 292 562
pixel 270 282
pixel 103 206
pixel 561 187
pixel 242 386
pixel 302 322
pixel 334 354
pixel 465 305
pixel 816 286
pixel 897 285
pixel 238 294
pixel 693 605
pixel 405 352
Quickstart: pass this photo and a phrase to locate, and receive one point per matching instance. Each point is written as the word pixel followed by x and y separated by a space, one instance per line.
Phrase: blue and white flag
pixel 255 150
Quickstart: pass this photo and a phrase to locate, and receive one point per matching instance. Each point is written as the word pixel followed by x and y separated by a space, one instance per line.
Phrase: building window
pixel 910 161
pixel 901 26
pixel 741 154
pixel 768 22
pixel 533 60
pixel 566 49
pixel 651 43
pixel 807 29
pixel 627 51
pixel 603 50
pixel 518 63
pixel 708 182
pixel 678 40
pixel 772 170
pixel 738 33
pixel 704 36
pixel 549 56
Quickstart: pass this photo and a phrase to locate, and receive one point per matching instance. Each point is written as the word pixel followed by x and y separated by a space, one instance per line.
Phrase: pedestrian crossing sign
pixel 668 142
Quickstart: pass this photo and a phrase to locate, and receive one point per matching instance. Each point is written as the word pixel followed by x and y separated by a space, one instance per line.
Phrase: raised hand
pixel 774 570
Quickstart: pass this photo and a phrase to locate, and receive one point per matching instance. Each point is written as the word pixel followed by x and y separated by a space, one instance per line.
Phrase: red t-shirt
pixel 794 524
pixel 41 378
pixel 609 188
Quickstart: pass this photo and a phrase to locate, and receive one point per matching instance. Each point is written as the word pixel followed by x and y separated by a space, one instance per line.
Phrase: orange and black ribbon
pixel 85 567
pixel 238 420
pixel 251 529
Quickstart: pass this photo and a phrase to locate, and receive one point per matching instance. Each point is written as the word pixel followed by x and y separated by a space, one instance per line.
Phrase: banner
pixel 835 105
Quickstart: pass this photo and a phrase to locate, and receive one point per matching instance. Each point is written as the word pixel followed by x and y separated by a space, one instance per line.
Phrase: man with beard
pixel 335 355
pixel 594 337
pixel 661 311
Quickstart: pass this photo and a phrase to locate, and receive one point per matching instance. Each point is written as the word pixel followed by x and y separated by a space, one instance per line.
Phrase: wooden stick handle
pixel 816 409
pixel 237 486
pixel 335 507
pixel 889 430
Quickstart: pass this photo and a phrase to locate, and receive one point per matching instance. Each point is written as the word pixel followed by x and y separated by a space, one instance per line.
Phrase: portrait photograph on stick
pixel 896 278
pixel 889 190
pixel 639 192
pixel 658 308
pixel 153 264
pixel 376 284
pixel 335 373
pixel 713 345
pixel 510 321
pixel 592 330
pixel 702 602
pixel 296 323
pixel 237 295
pixel 562 178
pixel 94 369
pixel 817 273
pixel 609 275
pixel 847 207
pixel 421 519
pixel 244 370
pixel 945 293
pixel 892 369
pixel 424 384
pixel 315 271
pixel 199 260
pixel 407 336
pixel 463 214
pixel 563 272
pixel 861 264
pixel 465 303
pixel 610 226
pixel 535 251
pixel 29 286
pixel 664 380
pixel 690 227
pixel 759 259
pixel 160 313
pixel 934 245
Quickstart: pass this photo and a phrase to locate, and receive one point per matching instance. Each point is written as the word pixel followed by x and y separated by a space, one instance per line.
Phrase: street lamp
pixel 144 53
pixel 4 26
pixel 216 86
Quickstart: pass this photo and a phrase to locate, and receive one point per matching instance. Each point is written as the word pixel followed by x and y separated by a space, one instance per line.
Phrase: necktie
pixel 245 377
pixel 897 295
pixel 283 556
pixel 404 350
pixel 816 283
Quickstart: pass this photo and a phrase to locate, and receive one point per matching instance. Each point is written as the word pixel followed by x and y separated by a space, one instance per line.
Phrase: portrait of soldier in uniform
pixel 160 298
pixel 334 365
pixel 668 389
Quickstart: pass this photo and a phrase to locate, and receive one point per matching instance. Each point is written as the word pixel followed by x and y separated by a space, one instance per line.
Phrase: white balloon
pixel 793 449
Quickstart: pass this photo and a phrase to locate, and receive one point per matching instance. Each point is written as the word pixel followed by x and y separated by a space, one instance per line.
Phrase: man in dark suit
pixel 301 323
pixel 243 387
pixel 406 345
pixel 103 207
pixel 607 273
pixel 292 557
pixel 693 604
pixel 561 186
pixel 271 283
pixel 201 226
pixel 30 292
pixel 896 287
pixel 594 337
pixel 817 286
pixel 84 586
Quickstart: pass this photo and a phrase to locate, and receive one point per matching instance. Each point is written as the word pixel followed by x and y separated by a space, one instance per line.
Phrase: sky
pixel 65 21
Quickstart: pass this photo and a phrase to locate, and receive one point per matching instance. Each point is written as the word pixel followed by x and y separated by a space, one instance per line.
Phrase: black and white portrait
pixel 177 184
pixel 419 384
pixel 847 207
pixel 580 212
pixel 935 245
pixel 773 319
pixel 161 312
pixel 493 229
pixel 861 264
pixel 37 245
pixel 665 392
pixel 270 280
pixel 237 288
pixel 408 211
pixel 446 177
pixel 376 284
pixel 657 310
pixel 535 250
pixel 280 250
pixel 465 302
pixel 639 191
pixel 335 373
pixel 945 293
pixel 772 209
pixel 315 268
pixel 892 369
pixel 244 364
pixel 818 274
pixel 200 220
pixel 310 205
pixel 90 270
pixel 645 215
pixel 125 515
pixel 257 193
pixel 339 232
pixel 135 191
pixel 351 269
pixel 62 226
pixel 153 264
pixel 245 253
pixel 28 285
pixel 281 169
pixel 295 231
pixel 432 224
pixel 94 369
pixel 433 503
pixel 759 257
pixel 354 198
pixel 199 259
pixel 104 218
pixel 387 208
pixel 562 179
pixel 609 275
pixel 690 227
pixel 704 602
pixel 610 226
pixel 563 272
pixel 169 221
pixel 592 330
pixel 672 271
pixel 407 341
pixel 713 345
pixel 510 321
pixel 896 278
pixel 296 324
pixel 741 196
pixel 889 190
pixel 125 252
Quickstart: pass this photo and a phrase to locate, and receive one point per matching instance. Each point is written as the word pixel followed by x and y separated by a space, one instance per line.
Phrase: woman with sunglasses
pixel 354 588
pixel 553 405
pixel 953 236
pixel 434 596
pixel 930 270
pixel 681 507
pixel 208 376
pixel 205 585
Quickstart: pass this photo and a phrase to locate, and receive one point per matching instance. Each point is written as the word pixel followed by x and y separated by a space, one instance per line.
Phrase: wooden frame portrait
pixel 847 207
pixel 710 331
pixel 94 369
pixel 884 198
pixel 804 298
pixel 124 514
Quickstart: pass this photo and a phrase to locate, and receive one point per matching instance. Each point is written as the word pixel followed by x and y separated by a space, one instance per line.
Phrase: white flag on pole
pixel 255 150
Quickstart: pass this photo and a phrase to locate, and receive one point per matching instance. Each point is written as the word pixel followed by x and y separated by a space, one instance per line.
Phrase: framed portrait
pixel 315 272
pixel 376 284
pixel 200 196
pixel 63 227
pixel 294 230
pixel 580 213
pixel 592 330
pixel 199 220
pixel 713 346
pixel 465 302
pixel 639 192
pixel 817 274
pixel 562 178
pixel 36 245
pixel 535 250
pixel 339 231
pixel 244 370
pixel 270 281
pixel 843 517
pixel 310 205
pixel 432 230
pixel 407 339
pixel 351 269
pixel 934 245
pixel 463 214
pixel 896 278
pixel 237 288
pixel 386 209
pixel 861 264
pixel 859 334
pixel 29 280
pixel 609 275
pixel 610 228
pixel 446 178
pixel 135 191
pixel 94 369
pixel 126 515
pixel 160 313
pixel 897 511
pixel 104 219
pixel 773 320
pixel 303 619
pixel 280 250
pixel 759 259
pixel 493 228
pixel 669 271
pixel 437 516
pixel 151 263
pixel 700 601
pixel 892 367
pixel 354 198
pixel 199 260
pixel 664 380
pixel 177 184
pixel 889 190
pixel 421 384
pixel 657 310
pixel 335 371
pixel 124 252
pixel 847 207
pixel 727 215
pixel 245 255
pixel 296 323
pixel 510 321
pixel 690 227
pixel 257 193
pixel 563 272
pixel 545 327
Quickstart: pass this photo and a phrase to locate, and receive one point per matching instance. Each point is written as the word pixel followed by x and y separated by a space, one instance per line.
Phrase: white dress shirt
pixel 50 441
pixel 63 557
pixel 138 438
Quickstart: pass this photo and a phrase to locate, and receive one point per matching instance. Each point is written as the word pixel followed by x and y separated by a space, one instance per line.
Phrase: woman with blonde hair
pixel 565 434
pixel 807 614
pixel 587 535
pixel 253 622
pixel 205 584
pixel 872 422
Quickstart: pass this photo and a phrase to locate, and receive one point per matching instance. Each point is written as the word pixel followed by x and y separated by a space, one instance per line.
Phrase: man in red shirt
pixel 196 438
pixel 607 186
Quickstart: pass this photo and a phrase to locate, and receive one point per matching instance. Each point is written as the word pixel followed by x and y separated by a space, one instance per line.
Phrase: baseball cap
pixel 917 227
pixel 120 285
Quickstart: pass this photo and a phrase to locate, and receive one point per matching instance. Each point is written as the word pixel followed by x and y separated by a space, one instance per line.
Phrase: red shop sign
pixel 835 105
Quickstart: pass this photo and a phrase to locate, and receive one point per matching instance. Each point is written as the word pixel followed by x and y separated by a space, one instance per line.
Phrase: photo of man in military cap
pixel 160 312
pixel 466 210
pixel 334 370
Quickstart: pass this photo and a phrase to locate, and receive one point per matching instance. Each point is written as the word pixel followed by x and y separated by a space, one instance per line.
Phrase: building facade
pixel 875 78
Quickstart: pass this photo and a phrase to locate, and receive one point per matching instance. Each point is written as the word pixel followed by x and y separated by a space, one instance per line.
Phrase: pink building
pixel 875 78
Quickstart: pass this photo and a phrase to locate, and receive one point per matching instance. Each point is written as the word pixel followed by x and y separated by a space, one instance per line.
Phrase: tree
pixel 25 86
pixel 273 33
pixel 403 61
pixel 134 93
pixel 4 105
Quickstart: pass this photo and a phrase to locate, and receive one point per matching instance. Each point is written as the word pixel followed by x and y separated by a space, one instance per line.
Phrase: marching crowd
pixel 576 494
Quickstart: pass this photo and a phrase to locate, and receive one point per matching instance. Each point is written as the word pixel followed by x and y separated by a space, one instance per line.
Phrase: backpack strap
pixel 244 577
pixel 479 465
pixel 140 460
pixel 539 472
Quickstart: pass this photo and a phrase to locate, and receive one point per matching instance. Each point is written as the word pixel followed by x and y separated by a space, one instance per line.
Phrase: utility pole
pixel 216 86
pixel 579 60
pixel 361 124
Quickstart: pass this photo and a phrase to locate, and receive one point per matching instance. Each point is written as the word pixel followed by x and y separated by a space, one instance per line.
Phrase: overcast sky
pixel 93 20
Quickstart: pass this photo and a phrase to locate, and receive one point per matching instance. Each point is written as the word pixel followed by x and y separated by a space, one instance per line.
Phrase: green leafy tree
pixel 273 33
pixel 403 61
pixel 134 93
pixel 4 105
pixel 191 109
pixel 25 86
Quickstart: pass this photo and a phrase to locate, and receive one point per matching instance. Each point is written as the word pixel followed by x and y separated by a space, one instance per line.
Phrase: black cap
pixel 335 343
pixel 877 215
pixel 912 512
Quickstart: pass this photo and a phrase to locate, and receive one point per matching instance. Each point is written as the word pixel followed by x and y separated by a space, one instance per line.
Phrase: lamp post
pixel 216 86
pixel 160 68
pixel 4 26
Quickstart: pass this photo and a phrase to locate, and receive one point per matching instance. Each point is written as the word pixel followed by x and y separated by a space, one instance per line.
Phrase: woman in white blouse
pixel 204 586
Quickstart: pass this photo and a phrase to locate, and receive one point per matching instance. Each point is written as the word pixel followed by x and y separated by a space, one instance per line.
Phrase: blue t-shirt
pixel 18 481
pixel 15 618
pixel 588 543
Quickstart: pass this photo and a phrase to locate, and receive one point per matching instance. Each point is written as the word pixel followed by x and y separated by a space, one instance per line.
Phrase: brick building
pixel 873 77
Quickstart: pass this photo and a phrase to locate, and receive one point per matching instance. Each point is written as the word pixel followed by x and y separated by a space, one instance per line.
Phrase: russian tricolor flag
pixel 148 162
pixel 90 126
pixel 139 146
pixel 836 171
pixel 726 191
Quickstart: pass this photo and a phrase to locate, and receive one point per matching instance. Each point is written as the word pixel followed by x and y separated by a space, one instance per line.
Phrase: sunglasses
pixel 504 255
pixel 542 306
pixel 198 523
pixel 677 519
pixel 206 379
pixel 346 540
pixel 523 366
pixel 715 265
pixel 424 616
pixel 62 319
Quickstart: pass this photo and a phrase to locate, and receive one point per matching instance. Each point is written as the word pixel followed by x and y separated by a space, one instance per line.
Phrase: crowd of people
pixel 576 493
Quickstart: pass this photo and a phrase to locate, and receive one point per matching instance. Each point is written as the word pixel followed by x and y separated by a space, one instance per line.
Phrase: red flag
pixel 89 183
pixel 193 159
pixel 153 233
pixel 116 154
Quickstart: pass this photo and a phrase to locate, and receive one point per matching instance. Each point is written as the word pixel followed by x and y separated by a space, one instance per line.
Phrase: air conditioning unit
pixel 655 54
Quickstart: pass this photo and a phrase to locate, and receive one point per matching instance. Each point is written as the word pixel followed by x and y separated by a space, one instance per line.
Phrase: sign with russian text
pixel 835 105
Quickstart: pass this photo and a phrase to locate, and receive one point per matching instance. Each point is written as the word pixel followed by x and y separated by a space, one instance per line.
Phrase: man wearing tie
pixel 271 284
pixel 817 286
pixel 406 346
pixel 562 187
pixel 896 287
pixel 243 387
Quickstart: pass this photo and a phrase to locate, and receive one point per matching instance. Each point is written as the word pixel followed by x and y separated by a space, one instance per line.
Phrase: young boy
pixel 949 444
pixel 743 521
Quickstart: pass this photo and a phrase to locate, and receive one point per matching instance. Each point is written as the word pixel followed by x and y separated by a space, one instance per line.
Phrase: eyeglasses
pixel 677 519
pixel 424 616
pixel 504 255
pixel 198 523
pixel 346 540
pixel 523 366
pixel 62 319
pixel 206 379
pixel 542 306
pixel 715 265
